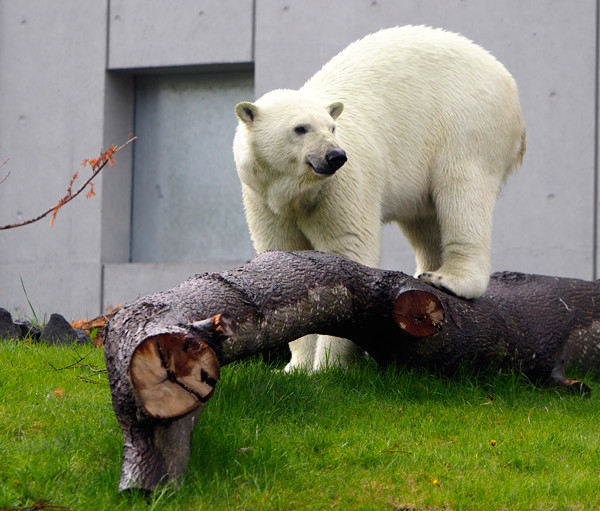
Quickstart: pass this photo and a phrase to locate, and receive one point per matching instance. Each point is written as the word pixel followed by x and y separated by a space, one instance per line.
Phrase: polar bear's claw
pixel 461 288
pixel 436 281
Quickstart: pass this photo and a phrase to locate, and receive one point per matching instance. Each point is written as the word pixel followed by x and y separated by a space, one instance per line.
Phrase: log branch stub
pixel 220 325
pixel 419 313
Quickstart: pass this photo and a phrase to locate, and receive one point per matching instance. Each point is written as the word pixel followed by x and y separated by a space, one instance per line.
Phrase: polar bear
pixel 412 125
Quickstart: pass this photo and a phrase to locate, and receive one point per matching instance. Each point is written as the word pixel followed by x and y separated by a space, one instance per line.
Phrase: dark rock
pixel 8 330
pixel 58 331
pixel 29 330
pixel 82 336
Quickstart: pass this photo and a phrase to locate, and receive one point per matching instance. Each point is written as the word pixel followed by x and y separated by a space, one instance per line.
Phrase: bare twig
pixel 97 166
pixel 393 449
pixel 78 364
pixel 97 371
pixel 87 380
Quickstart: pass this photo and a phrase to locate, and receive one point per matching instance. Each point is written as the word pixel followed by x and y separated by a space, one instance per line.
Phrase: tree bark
pixel 163 351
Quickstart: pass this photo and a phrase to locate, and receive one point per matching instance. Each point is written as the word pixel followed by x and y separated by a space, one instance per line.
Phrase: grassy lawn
pixel 356 439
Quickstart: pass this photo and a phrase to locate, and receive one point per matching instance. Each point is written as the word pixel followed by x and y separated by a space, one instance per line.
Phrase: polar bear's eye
pixel 301 129
pixel 333 129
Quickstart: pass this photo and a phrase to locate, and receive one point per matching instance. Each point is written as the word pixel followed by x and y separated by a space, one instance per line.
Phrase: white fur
pixel 431 125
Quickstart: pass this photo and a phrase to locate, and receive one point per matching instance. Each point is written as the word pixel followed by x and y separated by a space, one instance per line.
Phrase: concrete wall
pixel 67 90
pixel 52 87
pixel 184 180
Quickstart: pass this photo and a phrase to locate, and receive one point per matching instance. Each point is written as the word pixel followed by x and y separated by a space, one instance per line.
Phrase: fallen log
pixel 163 351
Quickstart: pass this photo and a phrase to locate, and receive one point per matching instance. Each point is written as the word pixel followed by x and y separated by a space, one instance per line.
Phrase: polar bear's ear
pixel 335 109
pixel 246 112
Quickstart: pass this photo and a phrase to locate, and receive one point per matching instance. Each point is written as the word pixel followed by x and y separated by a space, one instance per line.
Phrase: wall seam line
pixel 106 64
pixel 133 161
pixel 253 50
pixel 595 209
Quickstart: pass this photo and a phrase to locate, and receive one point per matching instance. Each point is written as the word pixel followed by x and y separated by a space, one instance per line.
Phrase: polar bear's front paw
pixel 469 288
pixel 436 280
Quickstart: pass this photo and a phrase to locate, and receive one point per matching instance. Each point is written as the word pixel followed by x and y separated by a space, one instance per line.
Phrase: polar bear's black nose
pixel 335 158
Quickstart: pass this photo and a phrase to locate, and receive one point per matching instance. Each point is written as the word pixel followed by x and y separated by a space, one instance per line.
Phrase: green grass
pixel 357 439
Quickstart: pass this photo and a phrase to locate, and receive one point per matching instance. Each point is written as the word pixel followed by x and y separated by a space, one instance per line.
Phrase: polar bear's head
pixel 292 133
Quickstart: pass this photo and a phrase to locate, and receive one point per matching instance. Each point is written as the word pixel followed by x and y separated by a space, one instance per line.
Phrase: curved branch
pixel 100 163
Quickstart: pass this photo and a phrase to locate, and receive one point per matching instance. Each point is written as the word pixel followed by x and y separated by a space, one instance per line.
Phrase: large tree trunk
pixel 163 351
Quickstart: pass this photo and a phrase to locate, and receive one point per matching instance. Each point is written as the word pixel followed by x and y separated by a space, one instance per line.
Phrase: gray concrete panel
pixel 155 33
pixel 186 194
pixel 544 220
pixel 69 288
pixel 51 104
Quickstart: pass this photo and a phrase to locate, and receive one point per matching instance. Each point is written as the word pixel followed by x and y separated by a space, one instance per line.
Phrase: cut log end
pixel 172 374
pixel 419 313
